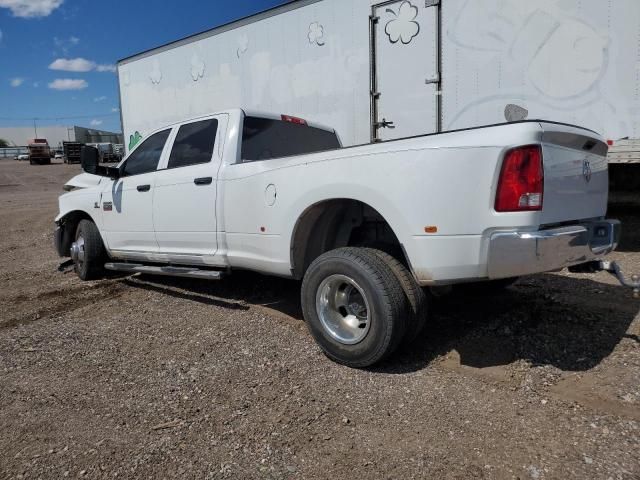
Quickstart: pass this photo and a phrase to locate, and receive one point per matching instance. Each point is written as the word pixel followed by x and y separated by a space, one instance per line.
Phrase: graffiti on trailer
pixel 403 27
pixel 134 140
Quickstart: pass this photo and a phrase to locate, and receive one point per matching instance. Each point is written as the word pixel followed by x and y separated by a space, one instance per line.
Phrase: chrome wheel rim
pixel 343 309
pixel 77 251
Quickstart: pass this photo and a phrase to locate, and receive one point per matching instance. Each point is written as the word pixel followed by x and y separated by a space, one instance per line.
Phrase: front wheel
pixel 354 306
pixel 87 252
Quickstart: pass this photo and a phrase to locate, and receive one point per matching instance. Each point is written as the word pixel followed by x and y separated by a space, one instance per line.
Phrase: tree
pixel 3 143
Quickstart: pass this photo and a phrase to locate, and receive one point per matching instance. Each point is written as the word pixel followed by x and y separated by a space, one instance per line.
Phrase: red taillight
pixel 610 143
pixel 521 184
pixel 296 120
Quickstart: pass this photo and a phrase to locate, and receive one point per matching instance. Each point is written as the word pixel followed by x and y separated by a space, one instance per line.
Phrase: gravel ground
pixel 144 377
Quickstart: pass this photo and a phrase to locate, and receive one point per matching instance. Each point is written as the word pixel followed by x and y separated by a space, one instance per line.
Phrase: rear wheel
pixel 354 306
pixel 87 252
pixel 417 299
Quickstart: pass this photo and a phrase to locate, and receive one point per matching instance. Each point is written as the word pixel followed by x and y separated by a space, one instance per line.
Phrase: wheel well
pixel 70 224
pixel 340 223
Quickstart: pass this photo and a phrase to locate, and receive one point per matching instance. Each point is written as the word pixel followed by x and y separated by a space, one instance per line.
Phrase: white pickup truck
pixel 366 228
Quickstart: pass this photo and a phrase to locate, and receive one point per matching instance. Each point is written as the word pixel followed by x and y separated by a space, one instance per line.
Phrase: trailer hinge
pixel 374 19
pixel 431 3
pixel 432 80
pixel 375 95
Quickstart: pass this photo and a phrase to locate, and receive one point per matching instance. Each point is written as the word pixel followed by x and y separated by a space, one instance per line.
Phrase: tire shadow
pixel 569 323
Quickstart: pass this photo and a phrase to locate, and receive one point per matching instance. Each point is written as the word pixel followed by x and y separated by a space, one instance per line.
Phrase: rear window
pixel 264 139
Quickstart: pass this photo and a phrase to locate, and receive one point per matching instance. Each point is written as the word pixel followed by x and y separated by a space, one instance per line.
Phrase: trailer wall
pixel 575 61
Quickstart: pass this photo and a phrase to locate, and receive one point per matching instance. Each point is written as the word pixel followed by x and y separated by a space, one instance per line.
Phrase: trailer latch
pixel 614 269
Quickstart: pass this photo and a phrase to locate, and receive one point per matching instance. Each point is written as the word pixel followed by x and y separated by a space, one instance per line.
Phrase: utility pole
pixel 35 128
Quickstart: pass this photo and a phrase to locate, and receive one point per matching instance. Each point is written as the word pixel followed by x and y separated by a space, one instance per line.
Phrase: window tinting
pixel 145 158
pixel 264 139
pixel 194 144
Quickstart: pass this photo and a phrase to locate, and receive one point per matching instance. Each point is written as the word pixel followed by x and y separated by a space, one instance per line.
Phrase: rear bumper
pixel 512 254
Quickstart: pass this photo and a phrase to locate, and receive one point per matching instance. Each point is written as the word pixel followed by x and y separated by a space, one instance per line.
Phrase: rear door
pixel 184 204
pixel 127 203
pixel 405 76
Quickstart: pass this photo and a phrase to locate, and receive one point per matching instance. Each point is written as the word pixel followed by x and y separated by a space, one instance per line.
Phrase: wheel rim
pixel 343 309
pixel 77 251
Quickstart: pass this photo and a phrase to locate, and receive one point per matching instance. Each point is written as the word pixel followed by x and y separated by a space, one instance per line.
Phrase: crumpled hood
pixel 84 180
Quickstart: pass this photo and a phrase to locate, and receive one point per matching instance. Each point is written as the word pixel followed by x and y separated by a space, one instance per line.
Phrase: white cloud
pixel 100 99
pixel 106 68
pixel 36 84
pixel 79 65
pixel 72 64
pixel 115 110
pixel 95 122
pixel 68 84
pixel 16 82
pixel 31 8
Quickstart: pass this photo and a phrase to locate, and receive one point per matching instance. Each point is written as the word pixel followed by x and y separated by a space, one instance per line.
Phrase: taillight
pixel 521 184
pixel 296 120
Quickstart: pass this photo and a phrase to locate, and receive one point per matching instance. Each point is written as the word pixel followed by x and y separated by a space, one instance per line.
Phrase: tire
pixel 89 265
pixel 417 299
pixel 372 300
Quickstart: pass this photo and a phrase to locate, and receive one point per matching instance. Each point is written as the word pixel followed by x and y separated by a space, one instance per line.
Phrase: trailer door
pixel 405 77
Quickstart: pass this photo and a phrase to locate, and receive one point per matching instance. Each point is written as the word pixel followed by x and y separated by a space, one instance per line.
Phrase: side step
pixel 167 271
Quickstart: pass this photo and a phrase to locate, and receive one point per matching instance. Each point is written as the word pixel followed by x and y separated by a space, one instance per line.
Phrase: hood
pixel 84 180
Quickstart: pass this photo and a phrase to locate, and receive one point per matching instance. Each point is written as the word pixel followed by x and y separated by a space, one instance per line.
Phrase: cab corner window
pixel 145 158
pixel 265 139
pixel 194 144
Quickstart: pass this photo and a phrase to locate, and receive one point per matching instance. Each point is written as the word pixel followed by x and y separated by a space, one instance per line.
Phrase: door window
pixel 145 158
pixel 194 144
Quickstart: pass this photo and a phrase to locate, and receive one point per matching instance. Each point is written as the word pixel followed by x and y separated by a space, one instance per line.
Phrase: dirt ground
pixel 144 377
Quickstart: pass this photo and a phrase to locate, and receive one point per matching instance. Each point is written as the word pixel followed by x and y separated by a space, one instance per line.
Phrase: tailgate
pixel 576 177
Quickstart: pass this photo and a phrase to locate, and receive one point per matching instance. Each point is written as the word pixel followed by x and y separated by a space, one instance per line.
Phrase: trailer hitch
pixel 614 269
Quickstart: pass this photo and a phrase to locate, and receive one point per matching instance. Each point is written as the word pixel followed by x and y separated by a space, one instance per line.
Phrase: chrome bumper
pixel 513 254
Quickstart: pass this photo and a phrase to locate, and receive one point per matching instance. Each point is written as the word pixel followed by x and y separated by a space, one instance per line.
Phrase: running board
pixel 168 271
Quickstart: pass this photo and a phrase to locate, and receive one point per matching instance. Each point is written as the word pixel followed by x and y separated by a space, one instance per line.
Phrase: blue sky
pixel 57 57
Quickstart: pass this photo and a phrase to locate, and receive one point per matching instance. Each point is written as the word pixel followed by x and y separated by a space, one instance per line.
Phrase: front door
pixel 184 203
pixel 405 75
pixel 127 203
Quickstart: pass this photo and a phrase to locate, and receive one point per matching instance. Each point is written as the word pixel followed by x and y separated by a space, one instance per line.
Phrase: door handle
pixel 203 181
pixel 143 188
pixel 384 124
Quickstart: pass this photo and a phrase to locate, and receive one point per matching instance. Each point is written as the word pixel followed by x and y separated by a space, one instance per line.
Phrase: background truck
pixel 106 151
pixel 379 70
pixel 39 151
pixel 364 227
pixel 72 151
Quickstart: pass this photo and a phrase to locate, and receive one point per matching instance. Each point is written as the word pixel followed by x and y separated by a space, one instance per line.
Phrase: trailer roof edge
pixel 272 12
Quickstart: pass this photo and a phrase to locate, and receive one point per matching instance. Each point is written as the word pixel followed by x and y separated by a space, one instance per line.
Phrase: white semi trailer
pixel 385 70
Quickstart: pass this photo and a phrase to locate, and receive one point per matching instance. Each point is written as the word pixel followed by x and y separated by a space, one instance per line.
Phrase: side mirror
pixel 90 159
